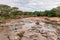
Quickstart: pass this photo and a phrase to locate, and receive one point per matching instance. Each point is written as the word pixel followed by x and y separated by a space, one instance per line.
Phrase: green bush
pixel 1 19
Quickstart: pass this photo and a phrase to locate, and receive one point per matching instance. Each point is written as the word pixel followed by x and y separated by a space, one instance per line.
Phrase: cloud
pixel 32 5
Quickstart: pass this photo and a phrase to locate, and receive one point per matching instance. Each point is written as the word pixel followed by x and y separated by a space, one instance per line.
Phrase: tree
pixel 36 13
pixel 52 13
pixel 4 10
pixel 46 13
pixel 58 11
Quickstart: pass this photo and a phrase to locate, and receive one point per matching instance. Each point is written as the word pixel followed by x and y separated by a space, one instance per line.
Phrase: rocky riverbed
pixel 30 29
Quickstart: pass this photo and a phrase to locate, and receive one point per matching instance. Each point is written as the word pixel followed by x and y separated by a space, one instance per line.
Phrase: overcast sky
pixel 32 5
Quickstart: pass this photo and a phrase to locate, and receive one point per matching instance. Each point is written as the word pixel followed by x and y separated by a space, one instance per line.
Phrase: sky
pixel 32 5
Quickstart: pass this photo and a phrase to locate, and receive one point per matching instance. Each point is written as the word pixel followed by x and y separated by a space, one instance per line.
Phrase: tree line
pixel 13 12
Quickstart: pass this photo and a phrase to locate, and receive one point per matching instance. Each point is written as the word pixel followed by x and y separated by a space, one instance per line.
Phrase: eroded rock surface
pixel 28 29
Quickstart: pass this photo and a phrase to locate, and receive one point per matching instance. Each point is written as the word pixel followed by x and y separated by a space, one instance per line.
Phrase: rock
pixel 29 29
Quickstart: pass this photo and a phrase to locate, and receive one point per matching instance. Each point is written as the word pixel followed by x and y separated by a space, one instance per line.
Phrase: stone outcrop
pixel 29 29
